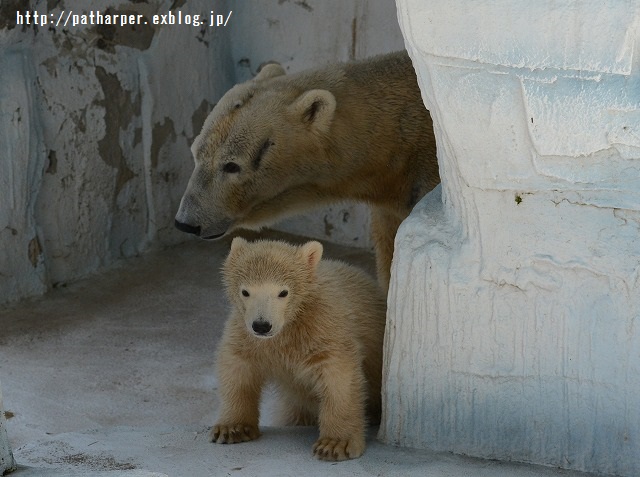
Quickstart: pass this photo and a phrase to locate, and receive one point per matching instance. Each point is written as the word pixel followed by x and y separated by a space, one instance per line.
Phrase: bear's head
pixel 269 282
pixel 259 152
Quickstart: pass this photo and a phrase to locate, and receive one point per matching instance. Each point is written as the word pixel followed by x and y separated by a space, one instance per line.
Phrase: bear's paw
pixel 327 448
pixel 233 433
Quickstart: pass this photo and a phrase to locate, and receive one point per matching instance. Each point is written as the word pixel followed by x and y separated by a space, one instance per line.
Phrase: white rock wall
pixel 302 34
pixel 514 306
pixel 7 462
pixel 95 125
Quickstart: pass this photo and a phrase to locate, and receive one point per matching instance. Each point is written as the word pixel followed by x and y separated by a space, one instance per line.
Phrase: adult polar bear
pixel 279 145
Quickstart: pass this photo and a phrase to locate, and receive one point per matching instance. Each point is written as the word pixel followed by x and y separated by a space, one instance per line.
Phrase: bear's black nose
pixel 190 229
pixel 261 327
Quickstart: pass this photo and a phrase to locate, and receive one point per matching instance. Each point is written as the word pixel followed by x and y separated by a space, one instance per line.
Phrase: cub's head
pixel 262 141
pixel 269 282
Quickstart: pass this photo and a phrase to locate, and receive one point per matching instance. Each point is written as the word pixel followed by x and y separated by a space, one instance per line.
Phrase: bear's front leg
pixel 384 225
pixel 234 433
pixel 239 387
pixel 342 412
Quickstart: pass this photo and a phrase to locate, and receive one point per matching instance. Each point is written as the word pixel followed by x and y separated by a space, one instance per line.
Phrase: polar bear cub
pixel 313 327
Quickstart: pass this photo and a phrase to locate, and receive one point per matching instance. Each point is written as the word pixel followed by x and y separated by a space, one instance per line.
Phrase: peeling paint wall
pixel 95 127
pixel 96 121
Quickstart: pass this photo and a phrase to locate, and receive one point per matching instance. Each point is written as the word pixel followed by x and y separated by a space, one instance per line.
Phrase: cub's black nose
pixel 261 327
pixel 190 229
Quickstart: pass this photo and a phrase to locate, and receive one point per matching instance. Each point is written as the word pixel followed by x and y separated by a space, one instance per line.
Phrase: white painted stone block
pixel 589 35
pixel 7 462
pixel 514 306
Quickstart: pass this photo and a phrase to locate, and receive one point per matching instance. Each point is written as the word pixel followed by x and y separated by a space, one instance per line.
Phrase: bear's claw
pixel 233 433
pixel 327 448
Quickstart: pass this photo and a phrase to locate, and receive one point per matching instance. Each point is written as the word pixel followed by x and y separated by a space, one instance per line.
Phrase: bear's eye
pixel 231 168
pixel 261 152
pixel 283 293
pixel 245 293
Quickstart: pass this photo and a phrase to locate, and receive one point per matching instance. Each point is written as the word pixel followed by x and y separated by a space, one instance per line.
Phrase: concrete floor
pixel 113 376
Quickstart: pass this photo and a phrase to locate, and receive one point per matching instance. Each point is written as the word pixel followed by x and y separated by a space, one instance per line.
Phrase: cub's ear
pixel 270 70
pixel 315 107
pixel 312 253
pixel 237 244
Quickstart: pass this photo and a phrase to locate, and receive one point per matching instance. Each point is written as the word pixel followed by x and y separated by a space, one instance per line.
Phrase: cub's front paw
pixel 233 433
pixel 327 448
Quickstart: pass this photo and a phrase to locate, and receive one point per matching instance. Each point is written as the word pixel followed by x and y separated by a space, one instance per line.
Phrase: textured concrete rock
pixel 7 462
pixel 513 310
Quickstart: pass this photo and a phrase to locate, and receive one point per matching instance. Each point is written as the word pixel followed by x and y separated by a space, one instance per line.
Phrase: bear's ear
pixel 236 245
pixel 270 70
pixel 316 107
pixel 312 253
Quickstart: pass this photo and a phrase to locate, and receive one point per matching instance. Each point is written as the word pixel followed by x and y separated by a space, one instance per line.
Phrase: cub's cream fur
pixel 279 145
pixel 315 328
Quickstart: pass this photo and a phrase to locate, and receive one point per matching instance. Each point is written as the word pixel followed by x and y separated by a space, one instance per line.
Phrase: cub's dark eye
pixel 283 293
pixel 245 293
pixel 231 168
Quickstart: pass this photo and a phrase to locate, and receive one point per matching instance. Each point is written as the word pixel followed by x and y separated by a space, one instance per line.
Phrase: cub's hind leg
pixel 295 407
